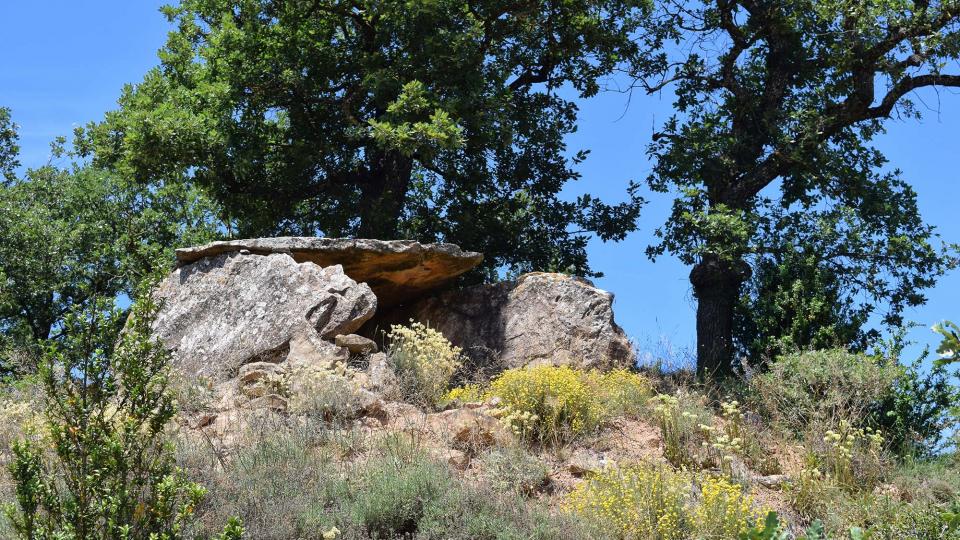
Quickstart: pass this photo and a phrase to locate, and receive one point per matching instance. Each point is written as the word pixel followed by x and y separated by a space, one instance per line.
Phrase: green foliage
pixel 392 119
pixel 949 348
pixel 794 303
pixel 513 469
pixel 68 235
pixel 920 411
pixel 769 154
pixel 816 390
pixel 394 497
pixel 9 150
pixel 770 530
pixel 110 473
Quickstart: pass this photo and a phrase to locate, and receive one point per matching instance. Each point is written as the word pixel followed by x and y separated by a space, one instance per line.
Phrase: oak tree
pixel 776 105
pixel 437 120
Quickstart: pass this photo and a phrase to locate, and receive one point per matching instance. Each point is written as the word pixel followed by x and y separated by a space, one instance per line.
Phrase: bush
pixel 551 404
pixel 424 362
pixel 723 510
pixel 325 396
pixel 642 502
pixel 621 391
pixel 393 497
pixel 514 470
pixel 817 389
pixel 103 469
pixel 649 502
pixel 919 412
pixel 548 404
pixel 280 487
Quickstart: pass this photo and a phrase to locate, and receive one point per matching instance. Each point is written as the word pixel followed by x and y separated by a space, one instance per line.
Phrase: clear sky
pixel 63 63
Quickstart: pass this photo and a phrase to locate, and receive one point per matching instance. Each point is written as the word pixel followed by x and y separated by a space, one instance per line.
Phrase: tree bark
pixel 716 286
pixel 383 195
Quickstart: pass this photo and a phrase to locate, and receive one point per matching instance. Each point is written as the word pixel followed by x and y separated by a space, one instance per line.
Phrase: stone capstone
pixel 396 270
pixel 222 312
pixel 541 318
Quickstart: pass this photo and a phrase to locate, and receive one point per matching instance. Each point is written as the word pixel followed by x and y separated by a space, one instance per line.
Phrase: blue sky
pixel 64 63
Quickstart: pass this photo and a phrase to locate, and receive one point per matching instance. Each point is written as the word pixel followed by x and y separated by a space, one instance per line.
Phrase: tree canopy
pixel 69 234
pixel 436 120
pixel 769 150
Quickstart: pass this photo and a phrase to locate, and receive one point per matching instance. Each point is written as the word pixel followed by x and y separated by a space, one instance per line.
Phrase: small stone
pixel 356 344
pixel 203 420
pixel 582 463
pixel 469 429
pixel 269 401
pixel 455 458
pixel 256 371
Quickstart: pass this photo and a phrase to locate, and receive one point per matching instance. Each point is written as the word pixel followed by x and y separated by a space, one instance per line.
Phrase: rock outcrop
pixel 284 324
pixel 539 319
pixel 396 270
pixel 222 312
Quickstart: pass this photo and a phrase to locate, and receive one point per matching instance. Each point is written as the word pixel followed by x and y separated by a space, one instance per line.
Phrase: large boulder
pixel 541 318
pixel 396 270
pixel 231 309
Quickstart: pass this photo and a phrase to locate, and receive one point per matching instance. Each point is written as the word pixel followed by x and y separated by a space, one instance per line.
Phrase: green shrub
pixel 102 468
pixel 280 486
pixel 392 498
pixel 919 412
pixel 816 390
pixel 424 361
pixel 515 470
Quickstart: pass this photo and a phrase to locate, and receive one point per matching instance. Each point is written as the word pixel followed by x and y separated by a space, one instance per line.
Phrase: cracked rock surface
pixel 222 312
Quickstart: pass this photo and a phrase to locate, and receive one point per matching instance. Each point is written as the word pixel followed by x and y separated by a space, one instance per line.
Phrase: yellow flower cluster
pixel 723 510
pixel 650 502
pixel 622 391
pixel 551 404
pixel 461 395
pixel 548 403
pixel 424 360
pixel 637 502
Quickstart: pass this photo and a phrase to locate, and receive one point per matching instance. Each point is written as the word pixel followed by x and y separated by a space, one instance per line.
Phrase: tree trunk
pixel 384 194
pixel 716 286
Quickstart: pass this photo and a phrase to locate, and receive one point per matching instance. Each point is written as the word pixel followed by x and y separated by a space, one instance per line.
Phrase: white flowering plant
pixel 424 361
